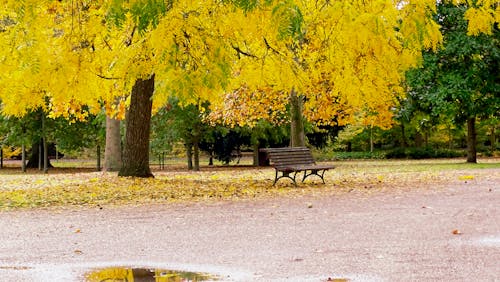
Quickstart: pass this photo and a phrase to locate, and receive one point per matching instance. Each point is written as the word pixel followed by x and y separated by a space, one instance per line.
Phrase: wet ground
pixel 445 233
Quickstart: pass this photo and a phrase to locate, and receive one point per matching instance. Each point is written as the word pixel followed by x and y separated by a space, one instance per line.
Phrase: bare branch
pixel 239 51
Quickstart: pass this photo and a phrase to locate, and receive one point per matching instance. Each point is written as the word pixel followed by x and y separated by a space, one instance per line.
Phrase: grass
pixel 70 186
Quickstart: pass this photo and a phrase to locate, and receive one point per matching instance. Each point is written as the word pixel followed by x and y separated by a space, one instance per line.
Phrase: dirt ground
pixel 448 232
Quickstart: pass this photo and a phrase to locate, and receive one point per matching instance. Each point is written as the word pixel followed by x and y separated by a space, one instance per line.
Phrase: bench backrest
pixel 282 157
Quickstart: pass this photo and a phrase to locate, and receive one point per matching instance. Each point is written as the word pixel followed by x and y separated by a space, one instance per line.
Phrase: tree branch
pixel 106 77
pixel 269 47
pixel 239 51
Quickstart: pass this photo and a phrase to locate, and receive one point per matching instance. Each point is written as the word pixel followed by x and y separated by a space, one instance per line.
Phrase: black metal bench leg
pixel 314 172
pixel 285 174
pixel 322 176
pixel 276 178
pixel 294 175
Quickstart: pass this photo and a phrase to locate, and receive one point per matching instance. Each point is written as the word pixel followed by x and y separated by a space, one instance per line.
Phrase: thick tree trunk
pixel 255 148
pixel 113 150
pixel 136 153
pixel 196 155
pixel 297 136
pixel 471 140
pixel 36 157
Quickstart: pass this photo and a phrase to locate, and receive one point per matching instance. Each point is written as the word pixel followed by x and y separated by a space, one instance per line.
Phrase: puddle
pixel 119 274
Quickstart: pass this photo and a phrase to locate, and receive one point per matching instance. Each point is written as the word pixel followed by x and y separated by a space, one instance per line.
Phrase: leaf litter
pixel 98 189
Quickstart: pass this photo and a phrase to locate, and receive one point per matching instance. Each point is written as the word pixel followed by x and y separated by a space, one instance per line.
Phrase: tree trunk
pixel 189 156
pixel 255 148
pixel 98 164
pixel 113 150
pixel 40 155
pixel 297 136
pixel 211 159
pixel 136 153
pixel 371 139
pixel 419 140
pixel 493 141
pixel 196 145
pixel 450 137
pixel 196 155
pixel 23 158
pixel 471 140
pixel 404 143
pixel 36 158
pixel 45 146
pixel 45 156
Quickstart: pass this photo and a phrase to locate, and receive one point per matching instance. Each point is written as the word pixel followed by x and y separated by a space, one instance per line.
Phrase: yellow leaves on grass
pixel 104 189
pixel 107 189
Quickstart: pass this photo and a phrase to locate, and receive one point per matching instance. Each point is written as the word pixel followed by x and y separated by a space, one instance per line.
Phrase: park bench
pixel 292 160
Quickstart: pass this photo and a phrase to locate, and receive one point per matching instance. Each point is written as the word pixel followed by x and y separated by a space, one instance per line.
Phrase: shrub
pixel 325 155
pixel 424 153
pixel 398 153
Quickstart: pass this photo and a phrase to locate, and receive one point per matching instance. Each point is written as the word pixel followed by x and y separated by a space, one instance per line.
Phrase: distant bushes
pixel 397 153
pixel 326 155
pixel 423 153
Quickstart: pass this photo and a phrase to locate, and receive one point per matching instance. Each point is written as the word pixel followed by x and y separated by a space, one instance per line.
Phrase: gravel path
pixel 384 236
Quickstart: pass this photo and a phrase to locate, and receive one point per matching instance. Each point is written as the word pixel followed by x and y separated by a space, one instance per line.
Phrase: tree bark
pixel 255 148
pixel 371 139
pixel 297 136
pixel 404 143
pixel 196 145
pixel 138 122
pixel 196 156
pixel 189 156
pixel 45 156
pixel 23 158
pixel 493 141
pixel 36 157
pixel 419 140
pixel 98 164
pixel 471 140
pixel 113 150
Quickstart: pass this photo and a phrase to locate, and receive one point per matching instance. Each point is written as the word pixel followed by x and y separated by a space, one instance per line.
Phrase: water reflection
pixel 125 274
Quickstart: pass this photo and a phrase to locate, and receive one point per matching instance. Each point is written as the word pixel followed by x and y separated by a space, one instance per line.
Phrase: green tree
pixel 175 123
pixel 59 134
pixel 461 80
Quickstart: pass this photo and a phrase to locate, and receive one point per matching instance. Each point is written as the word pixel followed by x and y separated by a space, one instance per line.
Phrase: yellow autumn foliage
pixel 347 58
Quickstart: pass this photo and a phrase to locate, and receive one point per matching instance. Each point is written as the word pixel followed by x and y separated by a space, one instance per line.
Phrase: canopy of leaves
pixel 346 57
pixel 461 79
